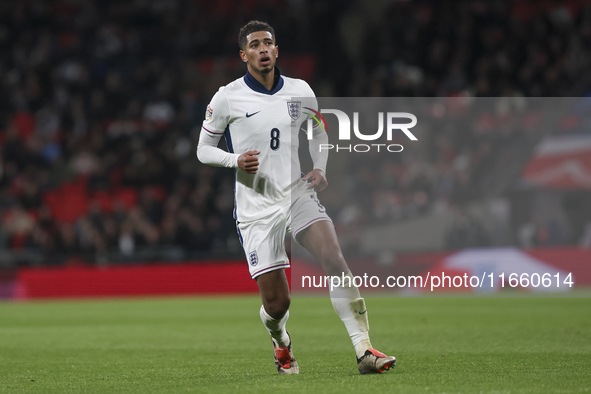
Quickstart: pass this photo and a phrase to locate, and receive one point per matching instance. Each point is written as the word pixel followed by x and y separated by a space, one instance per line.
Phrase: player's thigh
pixel 263 242
pixel 305 211
pixel 314 230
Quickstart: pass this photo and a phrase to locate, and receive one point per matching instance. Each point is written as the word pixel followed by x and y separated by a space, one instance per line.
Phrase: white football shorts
pixel 263 240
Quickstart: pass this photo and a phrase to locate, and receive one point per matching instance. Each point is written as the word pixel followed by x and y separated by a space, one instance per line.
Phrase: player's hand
pixel 316 180
pixel 249 162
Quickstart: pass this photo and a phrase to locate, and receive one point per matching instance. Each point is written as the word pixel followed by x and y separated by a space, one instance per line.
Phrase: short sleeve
pixel 217 114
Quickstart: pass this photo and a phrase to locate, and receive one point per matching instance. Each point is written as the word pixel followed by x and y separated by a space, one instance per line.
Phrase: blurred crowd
pixel 103 100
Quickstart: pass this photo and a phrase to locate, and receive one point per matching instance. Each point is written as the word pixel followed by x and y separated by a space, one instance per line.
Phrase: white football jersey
pixel 252 118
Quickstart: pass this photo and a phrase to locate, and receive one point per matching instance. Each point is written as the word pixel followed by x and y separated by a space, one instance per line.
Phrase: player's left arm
pixel 317 177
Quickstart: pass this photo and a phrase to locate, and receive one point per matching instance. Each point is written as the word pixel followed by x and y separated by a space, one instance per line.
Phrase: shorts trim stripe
pixel 310 223
pixel 271 268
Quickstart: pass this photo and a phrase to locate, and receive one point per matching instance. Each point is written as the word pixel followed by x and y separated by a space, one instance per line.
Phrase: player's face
pixel 260 53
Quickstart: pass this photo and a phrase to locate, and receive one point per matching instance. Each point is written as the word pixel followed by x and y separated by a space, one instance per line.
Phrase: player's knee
pixel 278 307
pixel 333 261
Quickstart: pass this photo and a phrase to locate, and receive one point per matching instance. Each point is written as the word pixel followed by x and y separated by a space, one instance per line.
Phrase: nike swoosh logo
pixel 361 313
pixel 249 115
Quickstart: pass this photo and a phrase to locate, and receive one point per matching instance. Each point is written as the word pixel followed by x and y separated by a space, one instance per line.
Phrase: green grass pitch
pixel 218 344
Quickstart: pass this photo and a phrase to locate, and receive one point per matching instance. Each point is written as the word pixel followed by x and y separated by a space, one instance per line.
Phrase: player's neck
pixel 267 80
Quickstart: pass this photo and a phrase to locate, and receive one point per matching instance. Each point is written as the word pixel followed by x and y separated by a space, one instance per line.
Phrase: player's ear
pixel 243 56
pixel 276 51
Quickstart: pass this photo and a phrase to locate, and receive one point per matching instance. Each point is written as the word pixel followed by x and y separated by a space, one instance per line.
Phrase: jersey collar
pixel 258 87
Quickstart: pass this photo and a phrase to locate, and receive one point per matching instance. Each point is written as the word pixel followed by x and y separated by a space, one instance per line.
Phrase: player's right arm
pixel 216 121
pixel 249 162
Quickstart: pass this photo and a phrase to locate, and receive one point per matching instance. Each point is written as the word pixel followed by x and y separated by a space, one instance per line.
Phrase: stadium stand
pixel 102 104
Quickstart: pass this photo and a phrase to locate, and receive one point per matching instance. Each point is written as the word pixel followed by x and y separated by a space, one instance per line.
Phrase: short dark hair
pixel 251 27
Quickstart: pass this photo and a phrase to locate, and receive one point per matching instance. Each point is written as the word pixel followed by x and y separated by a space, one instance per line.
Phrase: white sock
pixel 350 307
pixel 276 327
